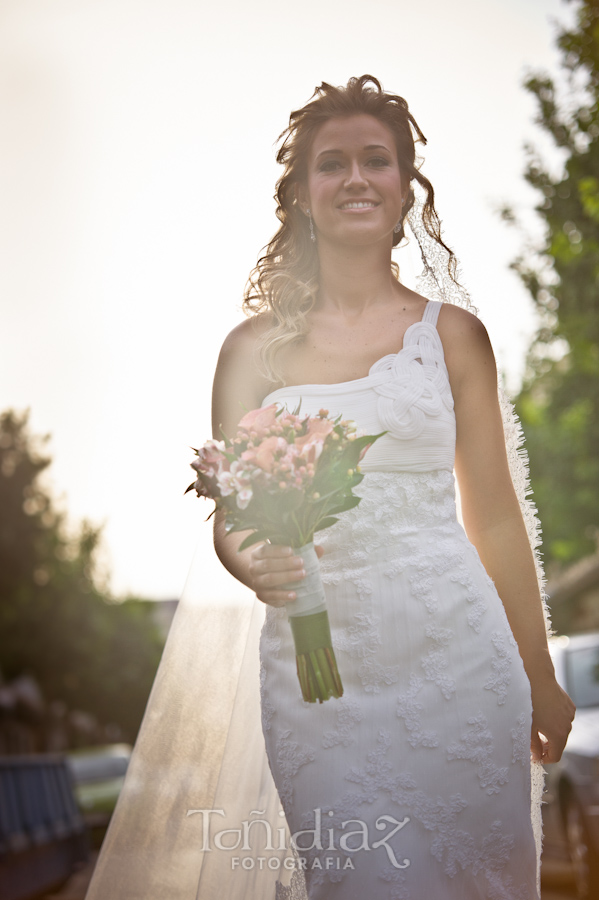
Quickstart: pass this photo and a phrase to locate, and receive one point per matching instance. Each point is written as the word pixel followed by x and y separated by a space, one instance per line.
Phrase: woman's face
pixel 354 186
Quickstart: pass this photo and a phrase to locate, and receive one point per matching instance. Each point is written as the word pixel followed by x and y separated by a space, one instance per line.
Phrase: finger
pixel 320 551
pixel 271 551
pixel 276 598
pixel 536 746
pixel 552 751
pixel 288 564
pixel 269 580
pixel 275 551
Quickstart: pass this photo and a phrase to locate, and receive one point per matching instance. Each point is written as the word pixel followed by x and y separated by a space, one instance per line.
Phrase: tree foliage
pixel 56 623
pixel 559 400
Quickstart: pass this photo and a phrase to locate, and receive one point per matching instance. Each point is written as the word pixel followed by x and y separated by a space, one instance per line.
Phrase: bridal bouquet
pixel 284 477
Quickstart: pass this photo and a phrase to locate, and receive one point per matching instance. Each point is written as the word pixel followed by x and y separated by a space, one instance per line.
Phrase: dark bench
pixel 42 834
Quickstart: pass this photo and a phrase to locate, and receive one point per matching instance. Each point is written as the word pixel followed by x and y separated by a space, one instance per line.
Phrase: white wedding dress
pixel 417 781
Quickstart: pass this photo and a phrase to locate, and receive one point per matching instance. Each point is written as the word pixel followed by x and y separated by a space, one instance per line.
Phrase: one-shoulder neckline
pixel 356 381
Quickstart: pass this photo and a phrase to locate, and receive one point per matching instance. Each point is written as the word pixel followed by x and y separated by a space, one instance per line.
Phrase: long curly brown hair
pixel 284 282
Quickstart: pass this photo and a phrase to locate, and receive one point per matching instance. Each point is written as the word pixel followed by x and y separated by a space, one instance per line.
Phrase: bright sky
pixel 136 180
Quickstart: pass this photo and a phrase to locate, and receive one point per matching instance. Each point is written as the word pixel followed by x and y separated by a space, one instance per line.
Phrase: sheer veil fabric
pixel 199 815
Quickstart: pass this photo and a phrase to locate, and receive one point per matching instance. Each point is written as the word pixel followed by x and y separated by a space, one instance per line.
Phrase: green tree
pixel 559 400
pixel 56 623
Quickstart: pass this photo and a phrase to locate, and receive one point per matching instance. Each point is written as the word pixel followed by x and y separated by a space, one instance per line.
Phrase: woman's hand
pixel 553 712
pixel 272 566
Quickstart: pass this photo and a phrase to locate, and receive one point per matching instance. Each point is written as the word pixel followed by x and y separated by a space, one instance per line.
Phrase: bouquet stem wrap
pixel 315 658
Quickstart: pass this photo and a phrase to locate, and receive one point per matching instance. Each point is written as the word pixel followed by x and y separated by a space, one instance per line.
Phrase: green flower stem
pixel 334 670
pixel 329 672
pixel 304 677
pixel 322 691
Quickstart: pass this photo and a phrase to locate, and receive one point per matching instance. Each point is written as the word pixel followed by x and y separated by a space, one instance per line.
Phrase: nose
pixel 355 176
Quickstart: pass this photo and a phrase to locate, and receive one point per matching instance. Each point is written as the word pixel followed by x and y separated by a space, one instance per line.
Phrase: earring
pixel 398 227
pixel 312 235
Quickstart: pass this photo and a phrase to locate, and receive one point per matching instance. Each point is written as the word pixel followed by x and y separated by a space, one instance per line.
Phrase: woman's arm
pixel 237 388
pixel 493 520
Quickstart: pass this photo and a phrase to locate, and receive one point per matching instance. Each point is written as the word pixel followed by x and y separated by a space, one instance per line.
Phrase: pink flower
pixel 287 419
pixel 226 484
pixel 211 459
pixel 249 456
pixel 201 489
pixel 235 480
pixel 312 450
pixel 243 498
pixel 259 420
pixel 310 445
pixel 265 452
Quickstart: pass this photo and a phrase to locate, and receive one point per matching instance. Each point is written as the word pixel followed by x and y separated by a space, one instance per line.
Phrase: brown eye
pixel 329 165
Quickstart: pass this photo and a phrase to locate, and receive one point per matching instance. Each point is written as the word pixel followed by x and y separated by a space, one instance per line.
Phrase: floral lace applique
pixel 521 740
pixel 497 847
pixel 295 890
pixel 477 605
pixel 348 714
pixel 270 646
pixel 361 641
pixel 290 758
pixel 500 678
pixel 267 708
pixel 451 845
pixel 435 662
pixel 476 745
pixel 270 642
pixel 397 879
pixel 409 709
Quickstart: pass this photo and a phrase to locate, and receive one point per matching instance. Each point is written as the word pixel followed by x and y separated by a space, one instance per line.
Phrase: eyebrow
pixel 368 147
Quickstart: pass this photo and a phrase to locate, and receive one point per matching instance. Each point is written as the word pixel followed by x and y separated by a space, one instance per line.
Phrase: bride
pixel 432 731
pixel 424 779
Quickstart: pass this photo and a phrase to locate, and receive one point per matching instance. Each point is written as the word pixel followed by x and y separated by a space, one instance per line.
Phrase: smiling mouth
pixel 359 204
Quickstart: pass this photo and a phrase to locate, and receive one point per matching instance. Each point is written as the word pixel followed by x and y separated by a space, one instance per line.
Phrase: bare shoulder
pixel 466 346
pixel 239 385
pixel 455 322
pixel 239 351
pixel 242 338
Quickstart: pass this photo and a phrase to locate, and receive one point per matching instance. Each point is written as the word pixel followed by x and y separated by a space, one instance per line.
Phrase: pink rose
pixel 259 420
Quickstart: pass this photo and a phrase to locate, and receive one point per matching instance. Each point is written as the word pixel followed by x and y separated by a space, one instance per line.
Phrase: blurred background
pixel 137 145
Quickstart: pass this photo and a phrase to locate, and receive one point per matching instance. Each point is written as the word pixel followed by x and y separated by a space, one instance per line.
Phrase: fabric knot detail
pixel 412 384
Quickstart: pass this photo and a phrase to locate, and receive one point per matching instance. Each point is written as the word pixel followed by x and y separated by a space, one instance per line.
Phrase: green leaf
pixel 252 539
pixel 325 523
pixel 347 503
pixel 233 527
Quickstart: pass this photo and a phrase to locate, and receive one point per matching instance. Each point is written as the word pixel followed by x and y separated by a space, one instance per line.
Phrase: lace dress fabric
pixel 417 782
